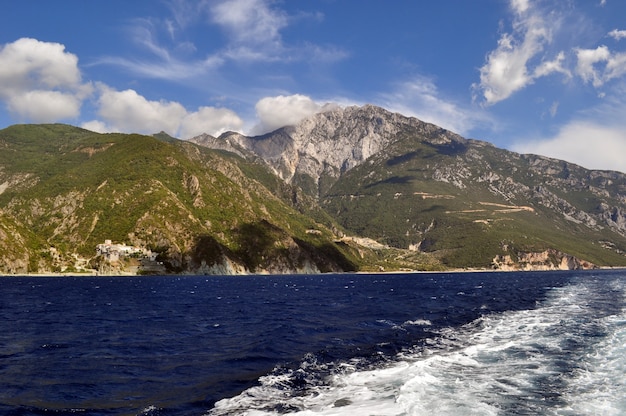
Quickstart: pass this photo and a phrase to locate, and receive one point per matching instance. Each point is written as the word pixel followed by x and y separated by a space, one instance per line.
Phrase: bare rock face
pixel 227 141
pixel 615 217
pixel 328 143
pixel 546 260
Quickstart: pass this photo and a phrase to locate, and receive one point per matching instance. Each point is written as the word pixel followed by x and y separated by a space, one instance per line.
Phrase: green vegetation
pixel 450 203
pixel 71 189
pixel 63 190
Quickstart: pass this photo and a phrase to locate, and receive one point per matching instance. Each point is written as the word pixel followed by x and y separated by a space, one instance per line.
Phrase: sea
pixel 528 343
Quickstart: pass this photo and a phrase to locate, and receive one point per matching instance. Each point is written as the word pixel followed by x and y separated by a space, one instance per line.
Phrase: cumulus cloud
pixel 40 81
pixel 280 111
pixel 600 65
pixel 211 120
pixel 127 111
pixel 616 66
pixel 617 34
pixel 509 68
pixel 519 58
pixel 97 126
pixel 43 106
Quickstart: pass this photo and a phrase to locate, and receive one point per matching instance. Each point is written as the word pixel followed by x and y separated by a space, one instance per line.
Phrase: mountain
pixel 353 189
pixel 318 150
pixel 64 191
pixel 417 187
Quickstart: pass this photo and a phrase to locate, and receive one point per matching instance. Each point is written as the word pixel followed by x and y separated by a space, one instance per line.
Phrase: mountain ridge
pixel 322 153
pixel 354 189
pixel 327 143
pixel 197 210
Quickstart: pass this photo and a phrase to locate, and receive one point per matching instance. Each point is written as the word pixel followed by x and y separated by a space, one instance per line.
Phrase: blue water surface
pixel 177 345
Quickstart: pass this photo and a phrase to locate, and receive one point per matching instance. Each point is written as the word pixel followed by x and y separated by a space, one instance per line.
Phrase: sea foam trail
pixel 565 357
pixel 598 387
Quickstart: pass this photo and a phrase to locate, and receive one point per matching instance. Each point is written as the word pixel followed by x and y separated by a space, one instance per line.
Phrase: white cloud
pixel 587 143
pixel 509 67
pixel 210 120
pixel 128 112
pixel 549 67
pixel 169 70
pixel 32 63
pixel 280 111
pixel 587 59
pixel 252 31
pixel 617 34
pixel 97 126
pixel 170 61
pixel 520 6
pixel 595 138
pixel 616 66
pixel 44 106
pixel 520 57
pixel 40 81
pixel 253 28
pixel 420 97
pixel 143 33
pixel 249 22
pixel 600 65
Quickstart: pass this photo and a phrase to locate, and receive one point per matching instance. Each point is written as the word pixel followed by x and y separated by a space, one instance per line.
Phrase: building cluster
pixel 114 252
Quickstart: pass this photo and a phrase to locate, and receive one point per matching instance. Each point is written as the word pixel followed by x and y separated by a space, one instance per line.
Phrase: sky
pixel 532 76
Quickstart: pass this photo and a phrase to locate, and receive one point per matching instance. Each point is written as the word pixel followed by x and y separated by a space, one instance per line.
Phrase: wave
pixel 566 356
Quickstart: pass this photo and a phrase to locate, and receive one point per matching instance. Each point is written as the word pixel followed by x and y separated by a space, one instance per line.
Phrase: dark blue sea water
pixel 550 343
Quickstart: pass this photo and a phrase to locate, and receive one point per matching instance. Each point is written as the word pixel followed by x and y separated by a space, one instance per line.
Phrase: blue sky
pixel 540 76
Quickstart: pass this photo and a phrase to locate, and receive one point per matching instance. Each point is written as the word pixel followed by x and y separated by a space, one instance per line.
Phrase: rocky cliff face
pixel 329 143
pixel 545 260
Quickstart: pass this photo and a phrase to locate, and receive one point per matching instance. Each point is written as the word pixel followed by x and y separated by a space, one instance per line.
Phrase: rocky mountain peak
pixel 228 141
pixel 330 142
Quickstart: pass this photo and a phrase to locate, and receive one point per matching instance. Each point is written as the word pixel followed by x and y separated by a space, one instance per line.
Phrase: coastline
pixel 407 272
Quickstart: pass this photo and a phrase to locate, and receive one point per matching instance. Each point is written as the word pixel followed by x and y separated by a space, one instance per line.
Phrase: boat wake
pixel 566 356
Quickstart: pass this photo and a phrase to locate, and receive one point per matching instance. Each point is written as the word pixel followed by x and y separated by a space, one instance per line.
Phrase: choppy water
pixel 410 344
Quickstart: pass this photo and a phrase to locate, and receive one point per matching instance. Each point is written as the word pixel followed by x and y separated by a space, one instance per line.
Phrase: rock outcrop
pixel 545 260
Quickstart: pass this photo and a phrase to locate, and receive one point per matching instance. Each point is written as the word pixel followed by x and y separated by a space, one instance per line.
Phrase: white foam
pixel 420 322
pixel 599 387
pixel 507 363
